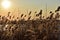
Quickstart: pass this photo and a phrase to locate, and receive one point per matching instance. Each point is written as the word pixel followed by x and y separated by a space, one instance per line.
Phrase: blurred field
pixel 36 29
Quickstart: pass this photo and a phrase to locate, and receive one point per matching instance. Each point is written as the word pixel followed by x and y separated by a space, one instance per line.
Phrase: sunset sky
pixel 34 5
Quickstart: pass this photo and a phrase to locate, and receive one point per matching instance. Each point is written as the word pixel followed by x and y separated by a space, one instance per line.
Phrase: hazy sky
pixel 34 4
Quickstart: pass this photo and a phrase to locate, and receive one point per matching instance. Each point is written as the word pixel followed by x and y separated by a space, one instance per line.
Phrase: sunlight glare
pixel 6 4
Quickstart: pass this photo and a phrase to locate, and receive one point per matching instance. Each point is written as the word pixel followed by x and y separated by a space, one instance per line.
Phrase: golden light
pixel 6 4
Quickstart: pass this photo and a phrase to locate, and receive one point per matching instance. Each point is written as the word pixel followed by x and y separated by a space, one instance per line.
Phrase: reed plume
pixel 8 14
pixel 29 18
pixel 22 15
pixel 30 12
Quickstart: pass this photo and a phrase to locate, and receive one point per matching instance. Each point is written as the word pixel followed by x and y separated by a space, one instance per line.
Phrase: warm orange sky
pixel 34 5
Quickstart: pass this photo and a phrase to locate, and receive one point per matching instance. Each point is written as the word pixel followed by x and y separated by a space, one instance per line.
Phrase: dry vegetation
pixel 39 29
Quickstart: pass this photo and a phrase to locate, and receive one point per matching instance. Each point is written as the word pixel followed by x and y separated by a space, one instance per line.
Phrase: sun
pixel 6 4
